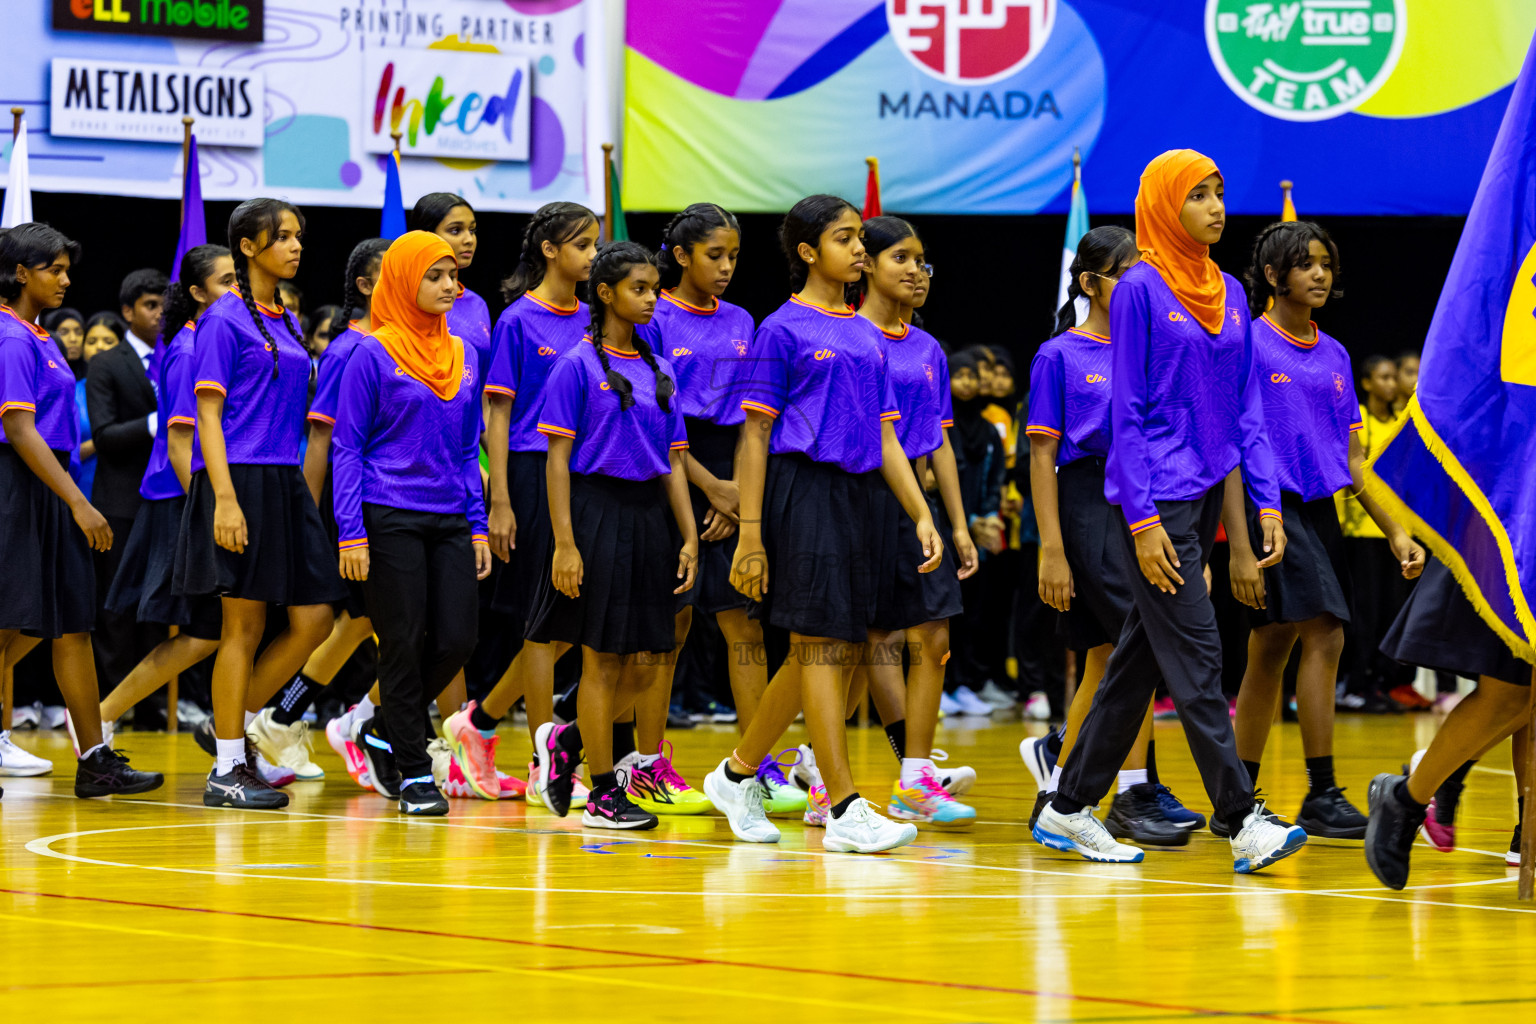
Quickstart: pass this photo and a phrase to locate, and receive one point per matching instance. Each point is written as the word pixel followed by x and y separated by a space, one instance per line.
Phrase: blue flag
pixel 194 230
pixel 1077 227
pixel 392 223
pixel 1460 472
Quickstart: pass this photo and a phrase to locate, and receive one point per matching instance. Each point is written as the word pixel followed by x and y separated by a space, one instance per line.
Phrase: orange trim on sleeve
pixel 946 424
pixel 1041 430
pixel 210 385
pixel 678 446
pixel 480 538
pixel 497 389
pixel 892 416
pixel 320 417
pixel 24 406
pixel 1357 426
pixel 181 421
pixel 1270 513
pixel 551 429
pixel 348 545
pixel 1146 524
pixel 766 410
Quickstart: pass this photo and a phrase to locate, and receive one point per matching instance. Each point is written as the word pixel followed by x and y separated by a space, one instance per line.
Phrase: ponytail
pixel 553 222
pixel 1104 250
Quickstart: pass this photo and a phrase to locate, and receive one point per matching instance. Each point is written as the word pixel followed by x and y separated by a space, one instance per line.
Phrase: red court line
pixel 673 960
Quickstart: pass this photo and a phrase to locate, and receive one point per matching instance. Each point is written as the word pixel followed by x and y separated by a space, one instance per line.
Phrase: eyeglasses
pixel 926 268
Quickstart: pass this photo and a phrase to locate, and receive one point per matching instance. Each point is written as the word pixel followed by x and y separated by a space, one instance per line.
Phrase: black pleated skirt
pixel 714 447
pixel 1102 571
pixel 288 559
pixel 49 587
pixel 1439 629
pixel 521 579
pixel 353 603
pixel 1313 577
pixel 822 554
pixel 905 597
pixel 629 548
pixel 142 586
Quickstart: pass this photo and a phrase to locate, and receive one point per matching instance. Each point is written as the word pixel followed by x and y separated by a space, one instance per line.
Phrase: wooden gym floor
pixel 157 909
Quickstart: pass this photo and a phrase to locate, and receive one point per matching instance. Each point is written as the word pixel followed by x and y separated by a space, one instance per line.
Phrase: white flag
pixel 18 188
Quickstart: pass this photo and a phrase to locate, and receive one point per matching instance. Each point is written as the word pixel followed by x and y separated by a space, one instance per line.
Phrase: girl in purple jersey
pixel 820 411
pixel 409 508
pixel 47 527
pixel 143 581
pixel 616 443
pixel 1313 424
pixel 1084 568
pixel 251 532
pixel 543 321
pixel 912 609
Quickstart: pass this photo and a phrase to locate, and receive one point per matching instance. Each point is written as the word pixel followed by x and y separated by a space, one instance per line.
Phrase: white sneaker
pixel 27 716
pixel 970 704
pixel 1038 707
pixel 442 762
pixel 862 829
pixel 1413 762
pixel 957 779
pixel 1083 833
pixel 273 775
pixel 1262 841
pixel 948 706
pixel 52 717
pixel 1032 750
pixel 287 746
pixel 17 762
pixel 742 804
pixel 996 696
pixel 805 774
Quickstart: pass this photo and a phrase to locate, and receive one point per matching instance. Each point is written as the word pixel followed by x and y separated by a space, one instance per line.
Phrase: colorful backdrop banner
pixel 495 99
pixel 975 106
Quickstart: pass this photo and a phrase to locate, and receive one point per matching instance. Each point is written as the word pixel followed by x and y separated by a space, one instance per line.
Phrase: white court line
pixel 43 847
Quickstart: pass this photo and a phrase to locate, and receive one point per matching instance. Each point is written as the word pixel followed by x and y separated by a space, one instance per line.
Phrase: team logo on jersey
pixel 1096 378
pixel 1237 318
pixel 1279 378
pixel 468 376
pixel 605 386
pixel 1338 383
pixel 399 372
pixel 545 350
pixel 1305 60
pixel 970 42
pixel 928 372
pixel 741 346
pixel 1174 316
pixel 52 365
pixel 824 353
pixel 680 351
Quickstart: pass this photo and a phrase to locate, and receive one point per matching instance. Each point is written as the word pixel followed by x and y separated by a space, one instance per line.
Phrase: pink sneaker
pixel 819 807
pixel 579 792
pixel 475 752
pixel 457 786
pixel 512 787
pixel 1441 837
pixel 350 754
pixel 1163 708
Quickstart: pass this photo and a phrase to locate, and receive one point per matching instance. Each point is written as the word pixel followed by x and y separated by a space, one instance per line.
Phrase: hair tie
pixel 663 246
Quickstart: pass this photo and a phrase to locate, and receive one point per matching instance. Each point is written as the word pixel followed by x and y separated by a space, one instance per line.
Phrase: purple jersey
pixel 530 336
pixel 630 444
pixel 708 348
pixel 919 375
pixel 1184 405
pixel 1309 407
pixel 396 443
pixel 1069 394
pixel 35 377
pixel 173 367
pixel 821 375
pixel 322 408
pixel 470 320
pixel 263 417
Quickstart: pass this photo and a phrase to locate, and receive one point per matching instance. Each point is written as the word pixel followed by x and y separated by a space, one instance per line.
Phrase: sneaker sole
pixel 245 805
pixel 1052 841
pixel 832 844
pixel 25 773
pixel 92 792
pixel 786 807
pixel 1293 844
pixel 672 810
pixel 1317 830
pixel 719 805
pixel 460 751
pixel 590 820
pixel 424 810
pixel 920 819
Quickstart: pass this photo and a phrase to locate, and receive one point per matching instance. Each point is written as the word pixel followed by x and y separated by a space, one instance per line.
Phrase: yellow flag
pixel 1287 208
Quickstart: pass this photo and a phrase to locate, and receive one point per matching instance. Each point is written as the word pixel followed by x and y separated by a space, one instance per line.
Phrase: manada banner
pixel 975 106
pixel 495 99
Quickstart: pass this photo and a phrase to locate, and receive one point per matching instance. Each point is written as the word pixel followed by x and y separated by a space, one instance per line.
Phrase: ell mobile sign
pixel 234 20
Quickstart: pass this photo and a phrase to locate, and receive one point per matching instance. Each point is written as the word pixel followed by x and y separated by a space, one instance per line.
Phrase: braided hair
pixel 1104 250
pixel 1285 245
pixel 805 222
pixel 613 264
pixel 196 267
pixel 252 219
pixel 557 223
pixel 689 228
pixel 365 260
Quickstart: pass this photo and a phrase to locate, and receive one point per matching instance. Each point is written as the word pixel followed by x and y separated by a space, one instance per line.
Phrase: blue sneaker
pixel 928 802
pixel 1176 812
pixel 1264 840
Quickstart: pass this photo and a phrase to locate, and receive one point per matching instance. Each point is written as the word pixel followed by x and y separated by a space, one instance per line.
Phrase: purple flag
pixel 194 230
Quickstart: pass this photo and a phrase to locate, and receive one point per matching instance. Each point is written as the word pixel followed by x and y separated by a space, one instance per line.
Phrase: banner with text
pixel 975 106
pixel 495 99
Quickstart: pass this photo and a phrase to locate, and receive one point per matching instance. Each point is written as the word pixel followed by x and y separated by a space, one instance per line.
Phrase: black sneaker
pixel 423 799
pixel 205 737
pixel 1329 815
pixel 1390 832
pixel 612 808
pixel 243 789
pixel 1136 816
pixel 558 748
pixel 1041 799
pixel 105 772
pixel 1512 858
pixel 380 756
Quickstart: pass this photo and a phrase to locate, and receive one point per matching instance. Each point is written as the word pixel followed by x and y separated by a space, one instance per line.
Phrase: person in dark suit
pixel 123 412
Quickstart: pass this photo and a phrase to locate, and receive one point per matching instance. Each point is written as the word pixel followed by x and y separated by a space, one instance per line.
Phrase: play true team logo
pixel 1305 60
pixel 971 42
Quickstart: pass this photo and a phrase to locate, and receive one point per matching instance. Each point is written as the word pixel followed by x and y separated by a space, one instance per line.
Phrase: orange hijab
pixel 1185 264
pixel 416 340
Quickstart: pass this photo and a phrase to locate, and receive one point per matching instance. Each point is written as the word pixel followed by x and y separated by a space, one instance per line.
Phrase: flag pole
pixel 397 136
pixel 1527 885
pixel 186 148
pixel 1077 167
pixel 606 234
pixel 16 113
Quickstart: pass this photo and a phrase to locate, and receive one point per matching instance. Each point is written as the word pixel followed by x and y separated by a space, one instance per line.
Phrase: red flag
pixel 872 189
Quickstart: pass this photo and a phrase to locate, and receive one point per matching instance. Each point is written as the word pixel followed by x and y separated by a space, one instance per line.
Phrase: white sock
pixel 1055 784
pixel 231 753
pixel 364 710
pixel 911 768
pixel 1131 777
pixel 88 753
pixel 644 760
pixel 250 716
